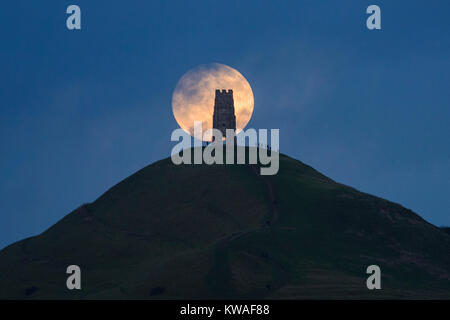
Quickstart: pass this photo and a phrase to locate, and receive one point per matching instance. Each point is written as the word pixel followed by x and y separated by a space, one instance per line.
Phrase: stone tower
pixel 223 117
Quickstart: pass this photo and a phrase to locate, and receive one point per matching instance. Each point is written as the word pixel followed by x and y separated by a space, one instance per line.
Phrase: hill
pixel 224 231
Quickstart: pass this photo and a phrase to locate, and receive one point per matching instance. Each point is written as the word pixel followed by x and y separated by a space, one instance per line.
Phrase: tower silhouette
pixel 224 117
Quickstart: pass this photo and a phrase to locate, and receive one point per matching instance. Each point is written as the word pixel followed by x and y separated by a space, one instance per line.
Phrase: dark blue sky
pixel 82 110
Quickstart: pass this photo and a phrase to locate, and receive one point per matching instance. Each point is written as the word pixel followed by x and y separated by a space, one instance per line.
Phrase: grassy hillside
pixel 224 231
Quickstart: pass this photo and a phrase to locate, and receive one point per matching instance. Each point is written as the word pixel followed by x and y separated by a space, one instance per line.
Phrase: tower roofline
pixel 224 91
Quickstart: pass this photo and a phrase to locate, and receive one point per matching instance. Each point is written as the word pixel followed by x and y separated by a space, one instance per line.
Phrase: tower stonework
pixel 224 117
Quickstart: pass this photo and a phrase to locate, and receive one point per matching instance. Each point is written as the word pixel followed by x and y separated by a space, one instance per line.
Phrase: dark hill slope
pixel 224 231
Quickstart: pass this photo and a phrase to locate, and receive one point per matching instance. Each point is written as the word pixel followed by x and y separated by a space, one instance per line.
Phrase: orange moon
pixel 193 97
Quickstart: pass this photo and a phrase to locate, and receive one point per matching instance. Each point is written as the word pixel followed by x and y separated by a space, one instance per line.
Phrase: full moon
pixel 193 97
